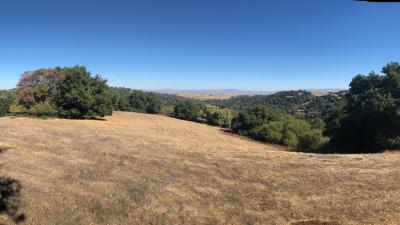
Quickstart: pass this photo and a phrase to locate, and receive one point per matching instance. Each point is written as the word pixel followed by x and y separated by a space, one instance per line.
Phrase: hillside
pixel 148 169
pixel 312 104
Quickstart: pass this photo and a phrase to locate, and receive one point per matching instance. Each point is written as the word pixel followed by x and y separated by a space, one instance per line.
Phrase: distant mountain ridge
pixel 235 91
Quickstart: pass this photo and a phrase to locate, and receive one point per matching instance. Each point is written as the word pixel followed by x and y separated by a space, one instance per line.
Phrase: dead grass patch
pixel 142 169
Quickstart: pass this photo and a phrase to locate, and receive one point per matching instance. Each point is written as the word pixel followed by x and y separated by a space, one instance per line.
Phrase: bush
pixel 290 139
pixel 18 109
pixel 43 109
pixel 313 140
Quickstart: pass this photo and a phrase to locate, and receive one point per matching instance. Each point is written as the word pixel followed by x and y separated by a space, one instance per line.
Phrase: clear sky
pixel 201 44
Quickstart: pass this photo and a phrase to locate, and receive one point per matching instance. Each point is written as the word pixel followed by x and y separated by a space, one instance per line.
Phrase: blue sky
pixel 196 44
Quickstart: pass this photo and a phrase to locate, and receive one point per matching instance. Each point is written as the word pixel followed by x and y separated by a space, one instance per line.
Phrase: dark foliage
pixel 6 100
pixel 368 119
pixel 81 96
pixel 276 126
pixel 189 110
pixel 300 103
pixel 147 102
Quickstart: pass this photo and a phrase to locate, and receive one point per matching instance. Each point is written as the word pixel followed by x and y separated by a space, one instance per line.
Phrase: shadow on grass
pixel 344 150
pixel 327 149
pixel 10 192
pixel 55 117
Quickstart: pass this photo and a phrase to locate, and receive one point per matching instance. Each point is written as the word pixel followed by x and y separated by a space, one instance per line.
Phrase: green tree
pixel 137 101
pixel 145 102
pixel 189 110
pixel 153 103
pixel 276 126
pixel 216 116
pixel 5 103
pixel 103 98
pixel 81 96
pixel 38 86
pixel 369 118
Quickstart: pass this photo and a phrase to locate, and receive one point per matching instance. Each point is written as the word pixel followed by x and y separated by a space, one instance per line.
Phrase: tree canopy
pixel 369 116
pixel 69 92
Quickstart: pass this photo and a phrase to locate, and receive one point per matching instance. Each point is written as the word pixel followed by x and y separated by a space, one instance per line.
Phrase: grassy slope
pixel 142 169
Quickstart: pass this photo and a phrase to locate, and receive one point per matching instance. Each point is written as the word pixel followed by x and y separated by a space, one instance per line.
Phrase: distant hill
pixel 223 94
pixel 291 101
pixel 213 91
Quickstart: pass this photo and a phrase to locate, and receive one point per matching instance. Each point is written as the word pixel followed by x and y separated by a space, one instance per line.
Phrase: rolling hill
pixel 136 168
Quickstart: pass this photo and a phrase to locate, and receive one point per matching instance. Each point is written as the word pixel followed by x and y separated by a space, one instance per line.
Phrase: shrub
pixel 18 109
pixel 313 140
pixel 289 138
pixel 43 109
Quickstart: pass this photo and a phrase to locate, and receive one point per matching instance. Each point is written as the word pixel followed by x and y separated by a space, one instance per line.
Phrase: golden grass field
pixel 199 96
pixel 148 169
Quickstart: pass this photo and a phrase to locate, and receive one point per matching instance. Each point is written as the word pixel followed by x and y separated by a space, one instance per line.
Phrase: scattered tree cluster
pixel 299 103
pixel 126 99
pixel 64 92
pixel 276 126
pixel 365 118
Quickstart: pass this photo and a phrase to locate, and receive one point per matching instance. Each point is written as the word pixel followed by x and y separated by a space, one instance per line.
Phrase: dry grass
pixel 319 93
pixel 146 169
pixel 208 96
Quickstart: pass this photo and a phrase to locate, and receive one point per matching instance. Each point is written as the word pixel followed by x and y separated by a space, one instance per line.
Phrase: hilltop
pixel 139 168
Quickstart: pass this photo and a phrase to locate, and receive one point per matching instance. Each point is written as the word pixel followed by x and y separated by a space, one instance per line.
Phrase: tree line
pixel 363 119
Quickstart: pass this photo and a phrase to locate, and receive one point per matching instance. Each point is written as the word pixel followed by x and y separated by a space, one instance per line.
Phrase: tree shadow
pixel 10 192
pixel 326 149
pixel 98 119
pixel 345 150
